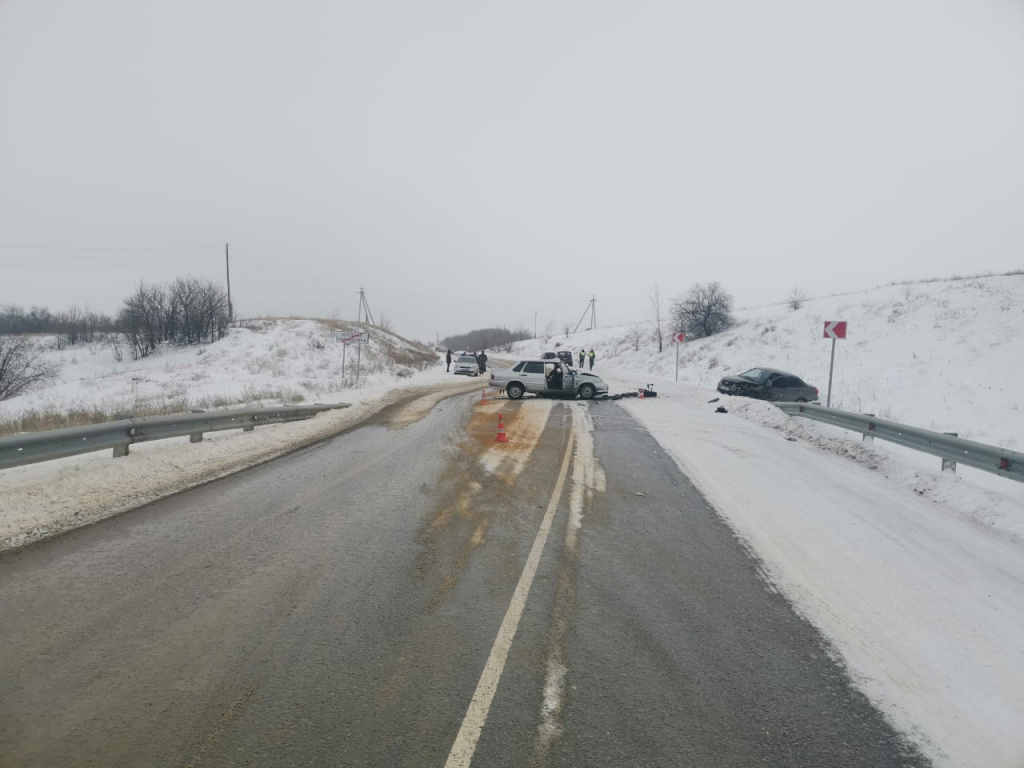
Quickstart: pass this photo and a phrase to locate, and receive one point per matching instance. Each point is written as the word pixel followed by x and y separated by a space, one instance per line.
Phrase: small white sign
pixel 353 338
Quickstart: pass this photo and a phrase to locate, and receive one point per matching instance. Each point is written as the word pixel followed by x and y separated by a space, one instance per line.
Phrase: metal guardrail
pixel 990 458
pixel 33 447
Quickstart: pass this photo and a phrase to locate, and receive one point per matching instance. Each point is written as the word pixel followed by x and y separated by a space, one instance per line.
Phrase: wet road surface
pixel 345 606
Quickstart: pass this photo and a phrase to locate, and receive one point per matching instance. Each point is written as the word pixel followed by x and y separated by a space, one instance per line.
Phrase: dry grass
pixel 38 420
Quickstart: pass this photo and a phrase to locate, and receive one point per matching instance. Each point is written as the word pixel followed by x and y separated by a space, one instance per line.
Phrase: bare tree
pixel 634 336
pixel 549 329
pixel 796 299
pixel 657 317
pixel 567 329
pixel 384 323
pixel 704 310
pixel 22 366
pixel 141 319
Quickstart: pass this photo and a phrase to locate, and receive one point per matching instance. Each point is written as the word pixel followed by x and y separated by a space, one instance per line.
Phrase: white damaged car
pixel 548 378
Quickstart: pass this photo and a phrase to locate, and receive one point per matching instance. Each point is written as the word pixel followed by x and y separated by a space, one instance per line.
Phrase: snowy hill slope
pixel 260 362
pixel 946 355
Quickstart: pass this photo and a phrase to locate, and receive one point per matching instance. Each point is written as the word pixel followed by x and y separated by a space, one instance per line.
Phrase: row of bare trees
pixel 187 310
pixel 70 327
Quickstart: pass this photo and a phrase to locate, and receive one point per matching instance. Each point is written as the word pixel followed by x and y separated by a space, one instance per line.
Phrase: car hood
pixel 735 380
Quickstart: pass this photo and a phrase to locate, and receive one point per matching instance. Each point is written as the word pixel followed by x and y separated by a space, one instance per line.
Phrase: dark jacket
pixel 448 357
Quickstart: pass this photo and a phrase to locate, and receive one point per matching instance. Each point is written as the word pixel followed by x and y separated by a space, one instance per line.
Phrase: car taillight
pixel 815 390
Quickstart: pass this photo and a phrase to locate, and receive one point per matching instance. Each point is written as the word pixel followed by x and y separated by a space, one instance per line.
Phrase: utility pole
pixel 227 267
pixel 364 306
pixel 535 323
pixel 592 309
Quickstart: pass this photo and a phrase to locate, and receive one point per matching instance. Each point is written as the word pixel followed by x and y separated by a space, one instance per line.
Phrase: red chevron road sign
pixel 835 329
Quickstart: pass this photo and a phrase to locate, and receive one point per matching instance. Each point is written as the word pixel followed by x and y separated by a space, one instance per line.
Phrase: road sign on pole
pixel 346 338
pixel 680 338
pixel 834 329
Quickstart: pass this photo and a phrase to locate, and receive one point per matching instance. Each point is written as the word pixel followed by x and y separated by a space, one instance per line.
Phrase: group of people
pixel 481 360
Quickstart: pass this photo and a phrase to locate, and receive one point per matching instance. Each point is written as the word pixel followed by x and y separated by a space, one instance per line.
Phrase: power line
pixel 13 247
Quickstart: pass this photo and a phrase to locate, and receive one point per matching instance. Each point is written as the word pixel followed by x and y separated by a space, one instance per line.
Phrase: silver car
pixel 467 364
pixel 549 378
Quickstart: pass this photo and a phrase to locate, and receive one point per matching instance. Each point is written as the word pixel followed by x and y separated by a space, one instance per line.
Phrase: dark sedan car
pixel 769 384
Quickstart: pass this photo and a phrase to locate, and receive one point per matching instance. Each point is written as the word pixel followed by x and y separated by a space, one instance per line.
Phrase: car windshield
pixel 467 359
pixel 758 375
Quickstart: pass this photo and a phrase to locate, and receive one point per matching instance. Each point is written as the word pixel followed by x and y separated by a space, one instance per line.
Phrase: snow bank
pixel 261 362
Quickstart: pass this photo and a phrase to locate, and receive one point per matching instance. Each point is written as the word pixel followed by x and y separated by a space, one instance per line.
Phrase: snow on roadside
pixel 941 355
pixel 260 362
pixel 42 500
pixel 923 602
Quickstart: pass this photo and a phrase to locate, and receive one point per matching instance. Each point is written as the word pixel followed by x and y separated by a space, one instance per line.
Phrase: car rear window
pixel 519 367
pixel 534 368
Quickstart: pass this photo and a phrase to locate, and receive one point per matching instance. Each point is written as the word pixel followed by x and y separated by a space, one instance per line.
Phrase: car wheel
pixel 515 390
pixel 587 391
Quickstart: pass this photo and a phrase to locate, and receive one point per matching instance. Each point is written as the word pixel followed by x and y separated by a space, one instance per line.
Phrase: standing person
pixel 482 360
pixel 591 360
pixel 583 357
pixel 448 359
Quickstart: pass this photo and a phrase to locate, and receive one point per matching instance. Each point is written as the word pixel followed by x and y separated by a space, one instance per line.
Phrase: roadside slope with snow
pixel 943 355
pixel 259 362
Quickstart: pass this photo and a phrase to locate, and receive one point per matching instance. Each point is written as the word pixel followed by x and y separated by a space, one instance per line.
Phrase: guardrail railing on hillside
pixel 990 458
pixel 33 447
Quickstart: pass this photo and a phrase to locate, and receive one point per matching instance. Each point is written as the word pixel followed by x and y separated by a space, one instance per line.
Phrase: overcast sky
pixel 470 163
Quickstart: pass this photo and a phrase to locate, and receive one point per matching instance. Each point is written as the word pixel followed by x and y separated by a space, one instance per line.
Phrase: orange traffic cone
pixel 483 396
pixel 502 437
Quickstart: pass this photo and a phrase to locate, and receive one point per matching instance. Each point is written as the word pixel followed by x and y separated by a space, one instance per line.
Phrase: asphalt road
pixel 346 606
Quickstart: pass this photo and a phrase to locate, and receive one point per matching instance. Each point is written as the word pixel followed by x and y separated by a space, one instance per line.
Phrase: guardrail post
pixel 120 450
pixel 195 437
pixel 948 465
pixel 868 438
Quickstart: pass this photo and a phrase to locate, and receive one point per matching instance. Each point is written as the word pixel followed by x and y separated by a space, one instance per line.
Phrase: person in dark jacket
pixel 583 357
pixel 448 359
pixel 481 359
pixel 591 360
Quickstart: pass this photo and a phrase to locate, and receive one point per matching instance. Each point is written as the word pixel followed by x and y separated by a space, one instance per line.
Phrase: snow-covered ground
pixel 915 576
pixel 944 355
pixel 261 362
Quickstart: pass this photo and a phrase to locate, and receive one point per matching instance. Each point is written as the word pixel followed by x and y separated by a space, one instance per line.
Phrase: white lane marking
pixel 473 723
